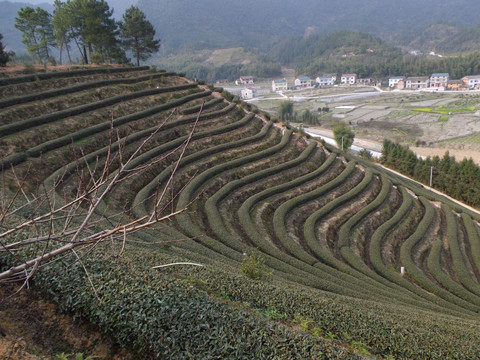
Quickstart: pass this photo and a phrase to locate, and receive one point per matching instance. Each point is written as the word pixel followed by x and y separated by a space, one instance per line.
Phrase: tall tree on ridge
pixel 138 34
pixel 62 27
pixel 37 32
pixel 343 135
pixel 89 23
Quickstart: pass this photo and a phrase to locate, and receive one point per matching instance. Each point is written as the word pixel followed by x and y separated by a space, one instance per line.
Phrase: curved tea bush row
pixel 162 149
pixel 293 248
pixel 213 215
pixel 91 157
pixel 352 258
pixel 252 201
pixel 17 100
pixel 67 73
pixel 345 230
pixel 139 206
pixel 145 157
pixel 275 259
pixel 309 226
pixel 282 211
pixel 376 242
pixel 190 228
pixel 457 256
pixel 196 109
pixel 415 273
pixel 344 235
pixel 187 194
pixel 44 119
pixel 83 133
pixel 375 255
pixel 389 273
pixel 324 276
pixel 473 239
pixel 417 188
pixel 250 228
pixel 434 266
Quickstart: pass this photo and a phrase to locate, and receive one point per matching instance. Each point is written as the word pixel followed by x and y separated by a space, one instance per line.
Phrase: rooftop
pixel 417 78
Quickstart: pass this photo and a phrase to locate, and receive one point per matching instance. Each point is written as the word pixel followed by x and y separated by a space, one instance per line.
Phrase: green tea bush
pixel 309 224
pixel 414 272
pixel 67 73
pixel 457 257
pixel 75 88
pixel 434 266
pixel 80 134
pixel 196 108
pixel 473 239
pixel 282 211
pixel 44 119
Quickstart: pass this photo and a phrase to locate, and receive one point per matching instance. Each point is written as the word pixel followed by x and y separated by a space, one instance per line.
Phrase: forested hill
pixel 261 23
pixel 443 38
pixel 357 52
pixel 339 45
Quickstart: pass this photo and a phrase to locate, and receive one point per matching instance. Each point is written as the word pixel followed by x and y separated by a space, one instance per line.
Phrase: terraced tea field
pixel 334 232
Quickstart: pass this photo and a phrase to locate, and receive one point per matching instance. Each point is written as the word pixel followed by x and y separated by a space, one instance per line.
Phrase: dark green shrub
pixel 253 266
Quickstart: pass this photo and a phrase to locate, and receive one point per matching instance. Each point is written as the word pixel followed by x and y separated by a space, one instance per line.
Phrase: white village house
pixel 326 80
pixel 349 79
pixel 303 82
pixel 472 81
pixel 394 80
pixel 439 80
pixel 249 93
pixel 279 85
pixel 417 82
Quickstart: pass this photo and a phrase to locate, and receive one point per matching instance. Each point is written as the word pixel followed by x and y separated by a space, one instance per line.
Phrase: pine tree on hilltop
pixel 138 34
pixel 37 32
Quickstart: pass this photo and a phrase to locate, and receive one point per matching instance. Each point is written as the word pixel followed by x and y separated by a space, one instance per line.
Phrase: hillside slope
pixel 442 38
pixel 333 232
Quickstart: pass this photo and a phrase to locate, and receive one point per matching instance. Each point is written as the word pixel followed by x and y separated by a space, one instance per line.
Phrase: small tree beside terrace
pixel 343 136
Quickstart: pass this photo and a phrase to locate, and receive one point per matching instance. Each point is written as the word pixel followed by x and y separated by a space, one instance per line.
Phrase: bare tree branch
pixel 59 226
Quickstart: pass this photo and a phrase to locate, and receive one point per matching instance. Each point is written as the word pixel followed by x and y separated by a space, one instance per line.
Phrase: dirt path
pixel 31 329
pixel 368 144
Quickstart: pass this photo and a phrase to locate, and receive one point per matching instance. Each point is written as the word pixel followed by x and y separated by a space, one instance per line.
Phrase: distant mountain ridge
pixel 262 23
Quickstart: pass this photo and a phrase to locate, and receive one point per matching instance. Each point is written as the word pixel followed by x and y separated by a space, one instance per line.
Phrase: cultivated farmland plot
pixel 437 121
pixel 333 231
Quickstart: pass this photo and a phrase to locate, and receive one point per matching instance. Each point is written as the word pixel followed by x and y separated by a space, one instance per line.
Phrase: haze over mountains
pixel 260 24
